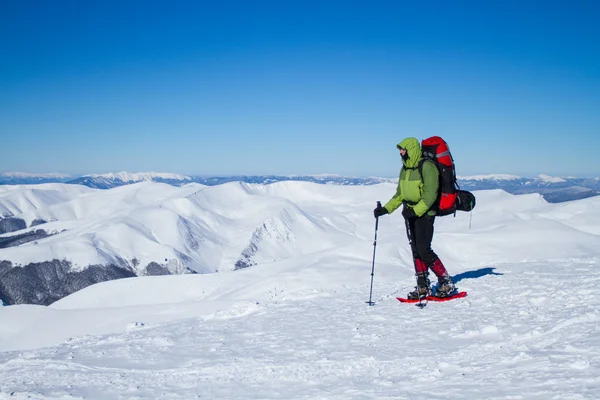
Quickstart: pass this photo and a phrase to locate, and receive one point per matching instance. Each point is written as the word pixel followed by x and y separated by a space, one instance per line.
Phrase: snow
pixel 101 227
pixel 138 177
pixel 197 227
pixel 550 179
pixel 297 327
pixel 27 199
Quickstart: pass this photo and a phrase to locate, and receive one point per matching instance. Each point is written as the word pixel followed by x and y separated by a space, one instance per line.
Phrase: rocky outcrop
pixel 16 240
pixel 11 224
pixel 277 230
pixel 46 282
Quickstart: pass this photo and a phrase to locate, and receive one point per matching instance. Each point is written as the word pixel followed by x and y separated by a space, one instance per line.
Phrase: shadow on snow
pixel 475 274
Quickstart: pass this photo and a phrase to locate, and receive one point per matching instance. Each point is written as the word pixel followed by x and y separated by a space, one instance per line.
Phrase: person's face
pixel 402 152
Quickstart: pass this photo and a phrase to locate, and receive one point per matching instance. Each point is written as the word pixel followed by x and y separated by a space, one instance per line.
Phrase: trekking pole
pixel 371 303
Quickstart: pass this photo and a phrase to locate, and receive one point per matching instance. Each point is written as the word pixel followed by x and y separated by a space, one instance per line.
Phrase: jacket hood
pixel 413 147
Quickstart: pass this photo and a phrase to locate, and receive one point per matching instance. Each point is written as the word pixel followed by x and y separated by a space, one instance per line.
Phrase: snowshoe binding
pixel 423 288
pixel 445 288
pixel 420 293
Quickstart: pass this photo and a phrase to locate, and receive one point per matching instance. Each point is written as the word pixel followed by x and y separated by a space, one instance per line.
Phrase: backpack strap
pixel 435 206
pixel 420 165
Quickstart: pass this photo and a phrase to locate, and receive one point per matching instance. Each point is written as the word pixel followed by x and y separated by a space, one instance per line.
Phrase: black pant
pixel 420 232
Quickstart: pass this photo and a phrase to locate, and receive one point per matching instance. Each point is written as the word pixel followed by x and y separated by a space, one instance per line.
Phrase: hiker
pixel 419 195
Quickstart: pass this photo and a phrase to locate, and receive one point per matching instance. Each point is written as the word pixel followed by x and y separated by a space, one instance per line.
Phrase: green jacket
pixel 418 192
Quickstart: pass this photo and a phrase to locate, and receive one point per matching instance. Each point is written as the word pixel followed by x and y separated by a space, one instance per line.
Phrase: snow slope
pixel 299 328
pixel 204 229
pixel 26 199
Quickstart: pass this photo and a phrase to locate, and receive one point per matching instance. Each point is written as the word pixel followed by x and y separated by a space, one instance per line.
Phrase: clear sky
pixel 298 87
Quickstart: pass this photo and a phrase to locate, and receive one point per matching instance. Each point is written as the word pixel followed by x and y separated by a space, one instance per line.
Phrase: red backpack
pixel 450 197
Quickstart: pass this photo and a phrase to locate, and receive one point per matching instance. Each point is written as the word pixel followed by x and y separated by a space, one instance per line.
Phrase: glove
pixel 379 211
pixel 408 212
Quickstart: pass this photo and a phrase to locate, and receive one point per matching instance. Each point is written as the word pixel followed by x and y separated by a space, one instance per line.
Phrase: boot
pixel 422 289
pixel 418 293
pixel 445 288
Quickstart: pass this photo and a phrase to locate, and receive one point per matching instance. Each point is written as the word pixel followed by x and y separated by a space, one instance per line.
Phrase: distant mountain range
pixel 109 181
pixel 23 178
pixel 554 189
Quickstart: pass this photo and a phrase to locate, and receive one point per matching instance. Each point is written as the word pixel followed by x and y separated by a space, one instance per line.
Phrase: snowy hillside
pixel 297 327
pixel 23 199
pixel 88 236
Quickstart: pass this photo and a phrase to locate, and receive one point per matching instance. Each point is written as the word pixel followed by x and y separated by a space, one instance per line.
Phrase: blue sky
pixel 298 87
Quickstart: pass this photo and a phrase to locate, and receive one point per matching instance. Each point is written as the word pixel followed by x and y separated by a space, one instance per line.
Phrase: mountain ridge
pixel 148 228
pixel 554 189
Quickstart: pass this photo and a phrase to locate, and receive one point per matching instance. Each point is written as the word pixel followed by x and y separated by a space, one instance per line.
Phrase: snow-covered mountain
pixel 87 235
pixel 108 181
pixel 24 178
pixel 295 325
